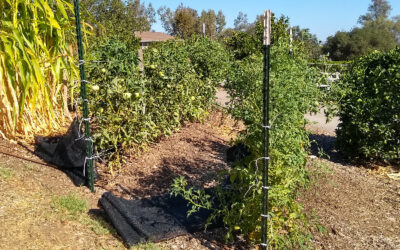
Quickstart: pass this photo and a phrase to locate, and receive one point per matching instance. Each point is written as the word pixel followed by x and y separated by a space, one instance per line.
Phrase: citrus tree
pixel 368 102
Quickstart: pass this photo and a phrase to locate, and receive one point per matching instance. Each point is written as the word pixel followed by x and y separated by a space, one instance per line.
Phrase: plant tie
pixel 81 62
pixel 85 81
pixel 266 245
pixel 94 157
pixel 80 127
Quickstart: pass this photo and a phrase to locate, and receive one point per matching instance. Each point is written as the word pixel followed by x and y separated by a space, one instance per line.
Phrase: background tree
pixel 118 18
pixel 379 9
pixel 241 22
pixel 248 41
pixel 310 41
pixel 167 19
pixel 378 32
pixel 220 22
pixel 186 22
pixel 209 18
pixel 183 22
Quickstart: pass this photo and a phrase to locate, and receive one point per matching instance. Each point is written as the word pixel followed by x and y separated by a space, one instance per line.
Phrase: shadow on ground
pixel 197 172
pixel 323 146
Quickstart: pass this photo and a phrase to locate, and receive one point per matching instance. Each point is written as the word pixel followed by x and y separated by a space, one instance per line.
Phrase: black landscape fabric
pixel 155 219
pixel 67 152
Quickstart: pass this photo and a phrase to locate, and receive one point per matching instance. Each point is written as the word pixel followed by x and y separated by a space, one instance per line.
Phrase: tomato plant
pixel 294 91
pixel 132 110
pixel 210 59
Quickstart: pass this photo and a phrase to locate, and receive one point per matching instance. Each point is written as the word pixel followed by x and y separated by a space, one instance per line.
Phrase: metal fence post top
pixel 267 27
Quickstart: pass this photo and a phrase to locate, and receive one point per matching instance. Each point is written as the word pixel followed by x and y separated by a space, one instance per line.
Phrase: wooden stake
pixel 267 27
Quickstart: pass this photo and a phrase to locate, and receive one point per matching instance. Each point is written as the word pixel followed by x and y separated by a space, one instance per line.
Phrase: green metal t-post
pixel 266 128
pixel 89 142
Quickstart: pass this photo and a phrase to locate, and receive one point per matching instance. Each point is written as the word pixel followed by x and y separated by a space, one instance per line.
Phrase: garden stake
pixel 266 128
pixel 88 139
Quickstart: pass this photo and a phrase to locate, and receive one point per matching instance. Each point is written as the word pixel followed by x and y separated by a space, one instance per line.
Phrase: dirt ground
pixel 358 207
pixel 30 219
pixel 196 151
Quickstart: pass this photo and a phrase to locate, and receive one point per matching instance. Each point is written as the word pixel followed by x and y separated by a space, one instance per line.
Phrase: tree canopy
pixel 118 18
pixel 378 32
pixel 185 21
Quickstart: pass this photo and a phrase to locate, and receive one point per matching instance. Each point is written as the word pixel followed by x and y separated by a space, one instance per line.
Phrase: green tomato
pixel 103 70
pixel 192 98
pixel 153 66
pixel 137 94
pixel 127 95
pixel 95 87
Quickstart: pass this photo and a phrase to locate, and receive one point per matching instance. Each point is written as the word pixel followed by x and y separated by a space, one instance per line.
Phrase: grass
pixel 71 204
pixel 76 208
pixel 98 225
pixel 5 173
pixel 146 246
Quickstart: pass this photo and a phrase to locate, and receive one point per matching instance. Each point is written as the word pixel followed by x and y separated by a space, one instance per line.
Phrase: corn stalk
pixel 35 64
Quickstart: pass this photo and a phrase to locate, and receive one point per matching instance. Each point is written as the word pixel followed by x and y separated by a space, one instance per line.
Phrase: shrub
pixel 369 107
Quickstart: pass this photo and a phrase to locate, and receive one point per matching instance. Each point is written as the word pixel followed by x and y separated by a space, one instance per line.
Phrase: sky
pixel 323 17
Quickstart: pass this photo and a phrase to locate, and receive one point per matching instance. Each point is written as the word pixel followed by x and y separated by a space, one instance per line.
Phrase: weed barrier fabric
pixel 155 219
pixel 67 152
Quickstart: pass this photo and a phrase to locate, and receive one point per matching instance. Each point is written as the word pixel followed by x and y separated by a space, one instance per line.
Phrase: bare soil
pixel 196 151
pixel 358 205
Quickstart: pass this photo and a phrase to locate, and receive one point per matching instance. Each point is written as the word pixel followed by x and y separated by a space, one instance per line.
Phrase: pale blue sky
pixel 322 17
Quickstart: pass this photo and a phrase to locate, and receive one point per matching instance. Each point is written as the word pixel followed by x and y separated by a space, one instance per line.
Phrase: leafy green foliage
pixel 248 41
pixel 293 93
pixel 378 32
pixel 133 110
pixel 197 198
pixel 210 59
pixel 117 18
pixel 369 107
pixel 112 94
pixel 184 22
